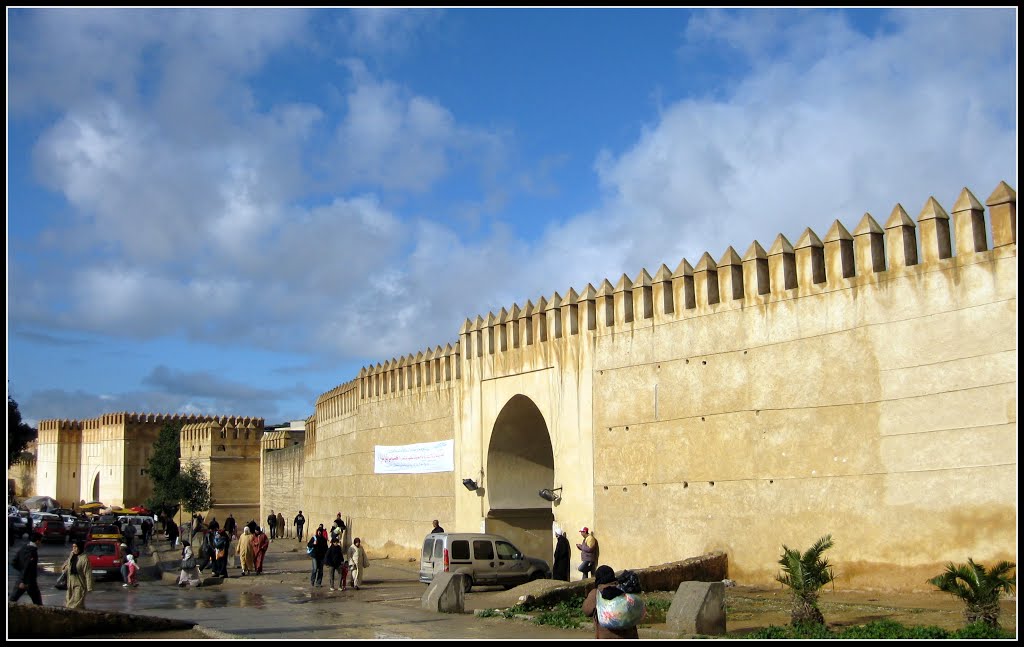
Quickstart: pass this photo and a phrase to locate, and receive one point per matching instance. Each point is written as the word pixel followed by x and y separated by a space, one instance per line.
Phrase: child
pixel 133 571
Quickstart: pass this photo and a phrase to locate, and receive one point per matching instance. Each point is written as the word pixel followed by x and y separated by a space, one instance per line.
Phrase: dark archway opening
pixel 520 462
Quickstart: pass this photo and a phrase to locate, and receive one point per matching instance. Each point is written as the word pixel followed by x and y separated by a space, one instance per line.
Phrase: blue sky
pixel 233 211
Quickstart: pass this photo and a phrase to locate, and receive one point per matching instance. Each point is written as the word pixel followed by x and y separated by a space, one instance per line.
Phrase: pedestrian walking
pixel 245 552
pixel 189 575
pixel 260 544
pixel 272 524
pixel 132 577
pixel 299 522
pixel 335 560
pixel 316 547
pixel 282 529
pixel 78 572
pixel 357 562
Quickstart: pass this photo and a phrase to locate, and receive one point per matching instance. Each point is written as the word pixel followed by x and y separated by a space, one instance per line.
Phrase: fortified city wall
pixel 863 385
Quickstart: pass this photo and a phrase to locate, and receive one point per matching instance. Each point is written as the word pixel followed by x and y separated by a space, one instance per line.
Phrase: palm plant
pixel 977 588
pixel 805 574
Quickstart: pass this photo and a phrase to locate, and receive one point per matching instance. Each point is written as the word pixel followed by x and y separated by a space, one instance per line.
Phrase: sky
pixel 232 211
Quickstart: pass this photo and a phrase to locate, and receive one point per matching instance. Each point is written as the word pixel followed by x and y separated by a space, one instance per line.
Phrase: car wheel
pixel 536 575
pixel 467 583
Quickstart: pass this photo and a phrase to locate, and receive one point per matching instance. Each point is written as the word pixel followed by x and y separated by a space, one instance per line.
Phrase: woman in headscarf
pixel 189 568
pixel 79 574
pixel 357 562
pixel 260 544
pixel 245 552
pixel 282 530
pixel 604 578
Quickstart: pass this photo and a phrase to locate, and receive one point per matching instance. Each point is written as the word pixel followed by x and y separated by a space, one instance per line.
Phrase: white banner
pixel 420 458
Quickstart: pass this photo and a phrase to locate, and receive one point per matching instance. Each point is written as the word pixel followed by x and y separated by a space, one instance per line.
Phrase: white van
pixel 484 559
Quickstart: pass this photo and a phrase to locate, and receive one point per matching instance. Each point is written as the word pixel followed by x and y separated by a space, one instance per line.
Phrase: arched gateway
pixel 520 463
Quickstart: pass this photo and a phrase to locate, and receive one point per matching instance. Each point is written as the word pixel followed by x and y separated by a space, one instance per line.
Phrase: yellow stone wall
pixel 863 386
pixel 281 483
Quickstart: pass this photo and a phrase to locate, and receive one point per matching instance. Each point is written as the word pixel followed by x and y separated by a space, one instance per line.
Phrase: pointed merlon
pixel 555 302
pixel 730 257
pixel 683 269
pixel 780 246
pixel 706 264
pixel 606 289
pixel 932 210
pixel 755 252
pixel 664 274
pixel 967 202
pixel 810 239
pixel 837 232
pixel 643 279
pixel 867 225
pixel 1002 194
pixel 899 218
pixel 623 284
pixel 588 293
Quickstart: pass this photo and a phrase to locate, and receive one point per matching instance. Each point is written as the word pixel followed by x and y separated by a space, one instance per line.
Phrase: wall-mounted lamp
pixel 470 484
pixel 551 495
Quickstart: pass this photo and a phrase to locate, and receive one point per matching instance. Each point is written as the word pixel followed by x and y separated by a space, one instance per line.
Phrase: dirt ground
pixel 749 608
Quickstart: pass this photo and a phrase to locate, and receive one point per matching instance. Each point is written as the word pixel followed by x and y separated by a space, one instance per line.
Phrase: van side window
pixel 439 549
pixel 506 550
pixel 428 548
pixel 460 549
pixel 483 549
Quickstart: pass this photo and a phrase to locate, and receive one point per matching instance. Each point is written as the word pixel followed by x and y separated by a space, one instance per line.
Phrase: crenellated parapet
pixel 408 374
pixel 339 402
pixel 785 271
pixel 221 437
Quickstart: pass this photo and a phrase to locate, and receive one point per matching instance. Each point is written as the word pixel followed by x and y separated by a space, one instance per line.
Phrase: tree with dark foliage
pixel 19 434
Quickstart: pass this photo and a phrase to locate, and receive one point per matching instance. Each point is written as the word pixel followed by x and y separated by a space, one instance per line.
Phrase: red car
pixel 105 557
pixel 50 526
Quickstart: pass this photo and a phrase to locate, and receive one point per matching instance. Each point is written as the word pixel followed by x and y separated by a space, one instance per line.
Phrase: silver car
pixel 484 559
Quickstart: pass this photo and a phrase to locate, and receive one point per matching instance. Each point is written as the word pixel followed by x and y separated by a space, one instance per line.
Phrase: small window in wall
pixel 222 448
pixel 142 472
pixel 72 474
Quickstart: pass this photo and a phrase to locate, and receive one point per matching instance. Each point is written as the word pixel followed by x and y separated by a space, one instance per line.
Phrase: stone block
pixel 446 594
pixel 698 608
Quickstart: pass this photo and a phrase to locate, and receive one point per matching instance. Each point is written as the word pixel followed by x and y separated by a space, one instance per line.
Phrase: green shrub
pixel 565 615
pixel 657 610
pixel 878 630
pixel 981 629
pixel 885 629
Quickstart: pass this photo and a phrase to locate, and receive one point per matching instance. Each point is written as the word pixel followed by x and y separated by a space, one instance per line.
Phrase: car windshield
pixel 99 549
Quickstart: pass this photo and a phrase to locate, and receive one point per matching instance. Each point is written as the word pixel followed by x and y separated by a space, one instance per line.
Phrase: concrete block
pixel 698 608
pixel 446 594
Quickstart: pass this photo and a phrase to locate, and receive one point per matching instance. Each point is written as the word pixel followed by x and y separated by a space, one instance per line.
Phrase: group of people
pixel 588 548
pixel 214 545
pixel 327 548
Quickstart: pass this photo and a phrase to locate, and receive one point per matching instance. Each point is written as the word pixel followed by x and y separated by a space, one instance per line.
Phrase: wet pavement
pixel 280 604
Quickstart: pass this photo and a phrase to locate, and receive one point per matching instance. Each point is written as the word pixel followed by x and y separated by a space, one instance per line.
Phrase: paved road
pixel 281 603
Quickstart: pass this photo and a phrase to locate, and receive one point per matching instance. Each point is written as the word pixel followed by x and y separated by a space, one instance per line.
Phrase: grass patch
pixel 565 615
pixel 879 630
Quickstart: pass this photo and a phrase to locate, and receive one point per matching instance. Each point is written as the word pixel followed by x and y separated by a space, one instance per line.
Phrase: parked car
pixel 104 531
pixel 79 530
pixel 17 522
pixel 482 558
pixel 135 520
pixel 105 557
pixel 49 525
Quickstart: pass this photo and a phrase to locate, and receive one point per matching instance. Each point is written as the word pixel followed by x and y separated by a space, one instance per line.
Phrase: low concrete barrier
pixel 34 621
pixel 712 567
